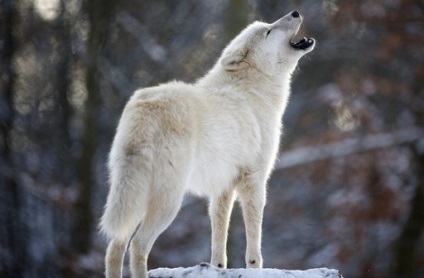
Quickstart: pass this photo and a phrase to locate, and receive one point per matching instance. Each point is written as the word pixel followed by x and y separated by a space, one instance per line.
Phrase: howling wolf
pixel 218 138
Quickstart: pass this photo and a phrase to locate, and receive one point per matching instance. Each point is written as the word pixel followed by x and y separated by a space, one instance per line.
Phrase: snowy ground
pixel 206 270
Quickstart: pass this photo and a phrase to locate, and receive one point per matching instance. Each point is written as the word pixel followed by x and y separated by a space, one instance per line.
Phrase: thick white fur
pixel 217 138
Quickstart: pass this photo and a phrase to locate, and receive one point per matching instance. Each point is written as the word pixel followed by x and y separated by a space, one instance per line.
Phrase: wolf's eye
pixel 269 32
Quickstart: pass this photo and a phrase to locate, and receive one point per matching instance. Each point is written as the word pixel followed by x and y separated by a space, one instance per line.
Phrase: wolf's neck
pixel 270 92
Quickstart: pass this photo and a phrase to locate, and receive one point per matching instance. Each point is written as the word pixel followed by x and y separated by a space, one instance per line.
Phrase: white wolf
pixel 217 137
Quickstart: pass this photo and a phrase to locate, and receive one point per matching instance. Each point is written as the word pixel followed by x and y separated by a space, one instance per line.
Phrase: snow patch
pixel 206 270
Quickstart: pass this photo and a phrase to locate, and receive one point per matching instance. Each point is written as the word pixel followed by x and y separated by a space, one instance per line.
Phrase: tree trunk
pixel 100 15
pixel 63 138
pixel 406 255
pixel 12 235
pixel 236 18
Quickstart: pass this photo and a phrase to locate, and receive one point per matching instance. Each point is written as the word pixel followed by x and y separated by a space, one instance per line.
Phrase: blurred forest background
pixel 347 192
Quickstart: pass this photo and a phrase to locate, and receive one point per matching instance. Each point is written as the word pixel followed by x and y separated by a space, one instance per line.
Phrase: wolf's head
pixel 268 48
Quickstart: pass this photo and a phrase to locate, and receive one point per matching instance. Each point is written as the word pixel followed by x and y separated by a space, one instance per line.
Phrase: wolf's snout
pixel 290 21
pixel 295 14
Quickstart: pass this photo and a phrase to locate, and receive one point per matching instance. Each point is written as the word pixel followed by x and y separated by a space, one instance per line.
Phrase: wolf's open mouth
pixel 302 44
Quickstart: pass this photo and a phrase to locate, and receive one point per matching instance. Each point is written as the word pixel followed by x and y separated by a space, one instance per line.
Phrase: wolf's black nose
pixel 295 14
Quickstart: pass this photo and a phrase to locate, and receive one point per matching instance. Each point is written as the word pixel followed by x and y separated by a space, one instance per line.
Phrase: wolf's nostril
pixel 295 14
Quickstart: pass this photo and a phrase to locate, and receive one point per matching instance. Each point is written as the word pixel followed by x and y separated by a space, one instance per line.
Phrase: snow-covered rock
pixel 205 270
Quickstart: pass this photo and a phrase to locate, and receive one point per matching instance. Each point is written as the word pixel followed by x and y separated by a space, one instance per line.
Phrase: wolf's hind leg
pixel 115 258
pixel 220 211
pixel 162 210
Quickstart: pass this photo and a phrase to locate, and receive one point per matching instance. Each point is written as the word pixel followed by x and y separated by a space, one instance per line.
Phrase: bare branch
pixel 348 146
pixel 155 51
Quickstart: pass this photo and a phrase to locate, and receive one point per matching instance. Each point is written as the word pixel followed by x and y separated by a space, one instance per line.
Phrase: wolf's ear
pixel 235 60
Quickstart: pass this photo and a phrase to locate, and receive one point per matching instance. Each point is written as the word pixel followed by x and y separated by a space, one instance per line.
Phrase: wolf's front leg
pixel 220 211
pixel 252 198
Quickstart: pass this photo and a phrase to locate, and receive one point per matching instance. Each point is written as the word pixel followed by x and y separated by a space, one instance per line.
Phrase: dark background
pixel 347 193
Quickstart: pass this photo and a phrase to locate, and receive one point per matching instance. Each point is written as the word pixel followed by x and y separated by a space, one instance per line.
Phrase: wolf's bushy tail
pixel 127 199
